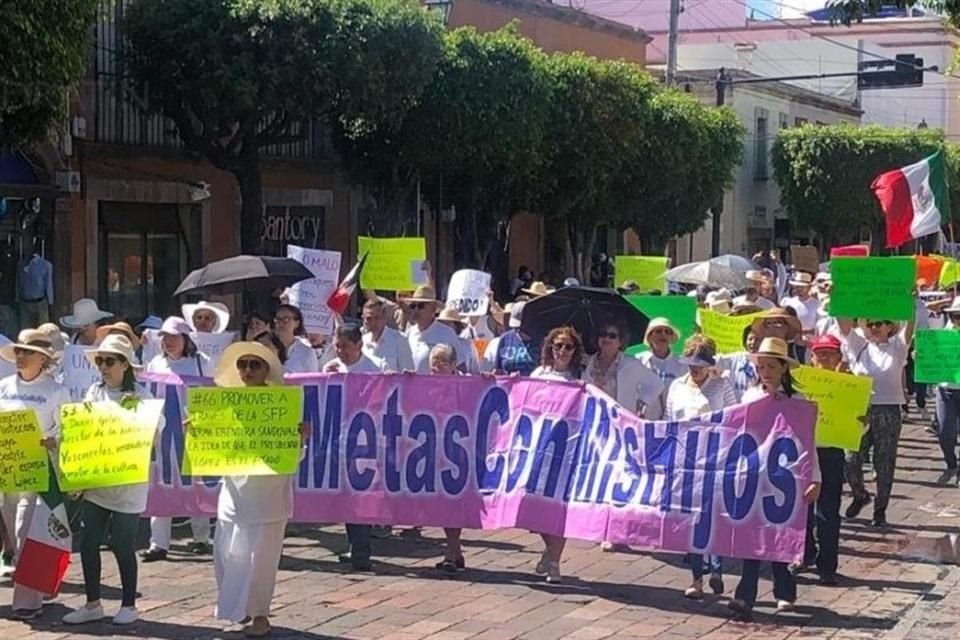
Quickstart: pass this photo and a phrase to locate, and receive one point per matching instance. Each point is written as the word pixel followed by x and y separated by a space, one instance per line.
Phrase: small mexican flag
pixel 46 553
pixel 915 199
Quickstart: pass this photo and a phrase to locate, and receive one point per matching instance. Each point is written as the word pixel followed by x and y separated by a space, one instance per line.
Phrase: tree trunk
pixel 580 238
pixel 251 206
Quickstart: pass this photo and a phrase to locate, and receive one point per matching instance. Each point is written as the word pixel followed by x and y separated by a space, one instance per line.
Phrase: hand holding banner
pixel 646 271
pixel 250 431
pixel 937 356
pixel 105 445
pixel 310 296
pixel 726 331
pixel 467 292
pixel 24 462
pixel 391 262
pixel 874 288
pixel 841 398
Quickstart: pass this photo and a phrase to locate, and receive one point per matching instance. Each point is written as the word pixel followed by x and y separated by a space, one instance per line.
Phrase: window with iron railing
pixel 122 116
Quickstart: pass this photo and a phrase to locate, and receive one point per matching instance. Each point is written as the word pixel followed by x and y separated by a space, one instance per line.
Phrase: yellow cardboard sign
pixel 646 271
pixel 248 431
pixel 841 399
pixel 24 463
pixel 105 445
pixel 949 273
pixel 393 264
pixel 726 331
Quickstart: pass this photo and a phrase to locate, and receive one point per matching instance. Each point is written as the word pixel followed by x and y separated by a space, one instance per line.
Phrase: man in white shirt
pixel 751 296
pixel 380 341
pixel 424 331
pixel 806 306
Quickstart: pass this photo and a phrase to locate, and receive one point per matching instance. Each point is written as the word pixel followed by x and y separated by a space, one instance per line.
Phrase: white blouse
pixel 43 394
pixel 301 358
pixel 884 362
pixel 686 400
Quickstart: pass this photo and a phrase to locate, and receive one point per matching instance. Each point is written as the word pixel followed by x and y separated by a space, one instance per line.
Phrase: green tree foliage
pixel 850 11
pixel 45 46
pixel 236 76
pixel 825 172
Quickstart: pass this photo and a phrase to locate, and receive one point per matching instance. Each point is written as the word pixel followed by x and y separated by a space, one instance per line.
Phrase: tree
pixel 825 172
pixel 45 44
pixel 236 76
pixel 850 11
pixel 600 113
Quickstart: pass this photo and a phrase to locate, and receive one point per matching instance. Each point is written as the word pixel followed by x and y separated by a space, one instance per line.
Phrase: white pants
pixel 245 561
pixel 17 513
pixel 160 531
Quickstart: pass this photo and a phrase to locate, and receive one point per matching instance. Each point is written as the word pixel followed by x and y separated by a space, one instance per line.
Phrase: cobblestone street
pixel 897 584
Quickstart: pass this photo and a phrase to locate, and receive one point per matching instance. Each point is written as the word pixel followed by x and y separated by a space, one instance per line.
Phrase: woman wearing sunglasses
pixel 878 349
pixel 116 509
pixel 561 358
pixel 252 511
pixel 33 388
pixel 632 385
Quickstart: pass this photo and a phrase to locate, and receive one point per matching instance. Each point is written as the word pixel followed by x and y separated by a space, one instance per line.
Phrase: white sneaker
pixel 606 546
pixel 126 615
pixel 84 614
pixel 785 605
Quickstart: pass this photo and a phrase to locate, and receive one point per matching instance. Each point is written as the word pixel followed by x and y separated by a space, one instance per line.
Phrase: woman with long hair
pixel 301 358
pixel 561 359
pixel 116 509
pixel 32 387
pixel 774 363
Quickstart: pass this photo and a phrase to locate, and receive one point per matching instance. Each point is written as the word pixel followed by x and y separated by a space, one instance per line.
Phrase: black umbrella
pixel 244 274
pixel 585 309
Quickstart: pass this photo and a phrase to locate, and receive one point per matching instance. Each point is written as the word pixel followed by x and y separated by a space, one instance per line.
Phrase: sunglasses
pixel 19 351
pixel 613 335
pixel 416 306
pixel 250 364
pixel 563 346
pixel 108 360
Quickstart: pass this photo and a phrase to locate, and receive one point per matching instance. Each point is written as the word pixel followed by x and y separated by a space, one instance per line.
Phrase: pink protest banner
pixel 851 251
pixel 551 457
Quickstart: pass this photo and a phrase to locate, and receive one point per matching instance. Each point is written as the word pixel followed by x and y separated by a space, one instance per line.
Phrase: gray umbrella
pixel 727 271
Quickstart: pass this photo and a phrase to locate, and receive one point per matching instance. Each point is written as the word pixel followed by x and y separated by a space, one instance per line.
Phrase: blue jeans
pixel 784 584
pixel 695 560
pixel 948 417
pixel 823 521
pixel 358 537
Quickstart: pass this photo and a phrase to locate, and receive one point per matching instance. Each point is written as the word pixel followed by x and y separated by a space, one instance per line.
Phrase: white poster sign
pixel 467 292
pixel 310 296
pixel 6 368
pixel 78 372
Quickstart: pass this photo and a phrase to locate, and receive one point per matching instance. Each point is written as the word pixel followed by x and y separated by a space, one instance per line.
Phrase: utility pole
pixel 672 42
pixel 721 87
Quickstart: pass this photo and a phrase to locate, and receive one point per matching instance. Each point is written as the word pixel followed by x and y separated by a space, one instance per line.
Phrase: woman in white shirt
pixel 116 509
pixel 697 392
pixel 301 358
pixel 879 350
pixel 775 381
pixel 660 338
pixel 252 511
pixel 178 355
pixel 561 359
pixel 32 387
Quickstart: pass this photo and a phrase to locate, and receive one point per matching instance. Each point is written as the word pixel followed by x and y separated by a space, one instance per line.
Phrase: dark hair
pixel 747 330
pixel 129 382
pixel 576 360
pixel 189 346
pixel 789 384
pixel 297 314
pixel 350 331
pixel 258 314
pixel 271 339
pixel 621 331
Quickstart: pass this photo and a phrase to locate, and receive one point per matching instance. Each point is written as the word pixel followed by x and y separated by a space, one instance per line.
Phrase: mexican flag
pixel 914 199
pixel 46 553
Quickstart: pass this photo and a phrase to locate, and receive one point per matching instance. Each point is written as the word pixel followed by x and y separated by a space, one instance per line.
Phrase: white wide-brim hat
pixel 30 340
pixel 85 313
pixel 217 308
pixel 114 344
pixel 227 374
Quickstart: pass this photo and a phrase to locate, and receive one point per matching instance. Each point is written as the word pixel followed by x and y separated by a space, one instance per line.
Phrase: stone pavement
pixel 896 584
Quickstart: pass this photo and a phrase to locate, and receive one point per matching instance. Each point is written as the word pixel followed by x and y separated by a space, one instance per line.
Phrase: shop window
pixel 143 258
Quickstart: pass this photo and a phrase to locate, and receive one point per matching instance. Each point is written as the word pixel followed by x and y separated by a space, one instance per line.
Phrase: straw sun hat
pixel 227 374
pixel 114 345
pixel 774 348
pixel 29 340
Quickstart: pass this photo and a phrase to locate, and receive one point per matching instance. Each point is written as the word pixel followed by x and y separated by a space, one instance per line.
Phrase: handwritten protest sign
pixel 949 273
pixel 310 296
pixel 105 445
pixel 646 271
pixel 726 331
pixel 391 262
pixel 851 251
pixel 929 268
pixel 681 311
pixel 464 451
pixel 78 372
pixel 467 292
pixel 841 399
pixel 24 463
pixel 874 288
pixel 243 431
pixel 938 356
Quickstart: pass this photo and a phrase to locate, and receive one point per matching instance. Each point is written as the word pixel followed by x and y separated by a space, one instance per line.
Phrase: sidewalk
pixel 895 585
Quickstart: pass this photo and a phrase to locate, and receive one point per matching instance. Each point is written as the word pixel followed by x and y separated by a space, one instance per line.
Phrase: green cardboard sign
pixel 681 311
pixel 873 288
